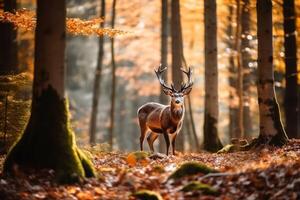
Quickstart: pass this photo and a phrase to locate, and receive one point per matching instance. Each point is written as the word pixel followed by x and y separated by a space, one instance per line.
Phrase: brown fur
pixel 157 119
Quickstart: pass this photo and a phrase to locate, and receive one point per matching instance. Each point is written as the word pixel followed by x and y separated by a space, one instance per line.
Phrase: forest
pixel 149 100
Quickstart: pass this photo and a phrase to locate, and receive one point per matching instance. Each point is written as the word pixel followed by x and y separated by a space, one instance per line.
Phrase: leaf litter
pixel 269 173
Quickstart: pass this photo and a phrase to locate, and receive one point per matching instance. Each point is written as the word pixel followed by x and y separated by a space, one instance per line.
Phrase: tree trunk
pixel 8 42
pixel 189 113
pixel 233 111
pixel 177 52
pixel 211 139
pixel 48 141
pixel 246 58
pixel 113 73
pixel 191 121
pixel 271 129
pixel 291 106
pixel 163 57
pixel 97 81
pixel 240 130
pixel 164 46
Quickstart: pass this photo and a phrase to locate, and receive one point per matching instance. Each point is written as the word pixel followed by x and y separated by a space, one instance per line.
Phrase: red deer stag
pixel 155 118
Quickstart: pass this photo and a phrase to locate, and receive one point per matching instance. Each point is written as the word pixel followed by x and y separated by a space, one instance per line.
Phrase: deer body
pixel 155 118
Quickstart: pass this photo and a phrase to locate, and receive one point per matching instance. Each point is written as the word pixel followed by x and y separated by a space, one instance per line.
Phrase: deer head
pixel 177 96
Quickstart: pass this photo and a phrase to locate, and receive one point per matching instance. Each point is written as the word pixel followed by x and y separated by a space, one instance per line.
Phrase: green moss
pixel 86 162
pixel 191 168
pixel 198 186
pixel 147 195
pixel 229 148
pixel 49 142
pixel 140 155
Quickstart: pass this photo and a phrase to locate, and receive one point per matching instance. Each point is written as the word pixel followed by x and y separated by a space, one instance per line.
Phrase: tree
pixel 48 141
pixel 271 129
pixel 240 130
pixel 211 139
pixel 163 57
pixel 8 42
pixel 177 54
pixel 291 106
pixel 233 111
pixel 97 81
pixel 164 45
pixel 245 60
pixel 113 73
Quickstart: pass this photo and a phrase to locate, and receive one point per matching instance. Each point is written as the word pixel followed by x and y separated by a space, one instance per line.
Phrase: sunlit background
pixel 137 54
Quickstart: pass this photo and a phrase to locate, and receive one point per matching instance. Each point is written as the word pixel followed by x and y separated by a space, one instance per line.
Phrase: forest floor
pixel 272 173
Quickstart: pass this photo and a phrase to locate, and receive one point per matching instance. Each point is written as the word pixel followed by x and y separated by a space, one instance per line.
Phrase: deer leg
pixel 167 139
pixel 143 134
pixel 150 139
pixel 173 143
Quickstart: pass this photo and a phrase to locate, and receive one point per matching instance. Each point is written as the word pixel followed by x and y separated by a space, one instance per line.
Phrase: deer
pixel 155 118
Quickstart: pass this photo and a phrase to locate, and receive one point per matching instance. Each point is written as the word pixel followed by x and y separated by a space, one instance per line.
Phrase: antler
pixel 159 73
pixel 186 87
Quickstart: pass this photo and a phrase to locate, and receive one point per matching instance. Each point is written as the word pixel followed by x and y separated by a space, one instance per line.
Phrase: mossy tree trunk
pixel 8 41
pixel 271 129
pixel 177 52
pixel 211 139
pixel 292 108
pixel 163 98
pixel 48 142
pixel 97 81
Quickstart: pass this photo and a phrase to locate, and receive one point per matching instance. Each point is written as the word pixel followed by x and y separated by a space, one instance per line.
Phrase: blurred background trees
pixel 97 81
pixel 149 41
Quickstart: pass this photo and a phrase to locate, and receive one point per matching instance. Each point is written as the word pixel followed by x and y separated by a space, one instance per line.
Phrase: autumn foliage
pixel 26 20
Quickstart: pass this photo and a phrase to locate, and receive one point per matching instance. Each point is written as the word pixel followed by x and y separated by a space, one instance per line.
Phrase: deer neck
pixel 177 112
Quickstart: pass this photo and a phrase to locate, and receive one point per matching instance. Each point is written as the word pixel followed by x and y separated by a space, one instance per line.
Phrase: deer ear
pixel 187 91
pixel 167 92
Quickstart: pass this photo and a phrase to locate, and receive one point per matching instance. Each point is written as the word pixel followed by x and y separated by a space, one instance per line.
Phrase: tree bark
pixel 246 58
pixel 164 46
pixel 8 42
pixel 177 52
pixel 192 124
pixel 163 57
pixel 189 110
pixel 271 129
pixel 292 108
pixel 97 81
pixel 48 141
pixel 233 111
pixel 211 139
pixel 113 73
pixel 240 130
